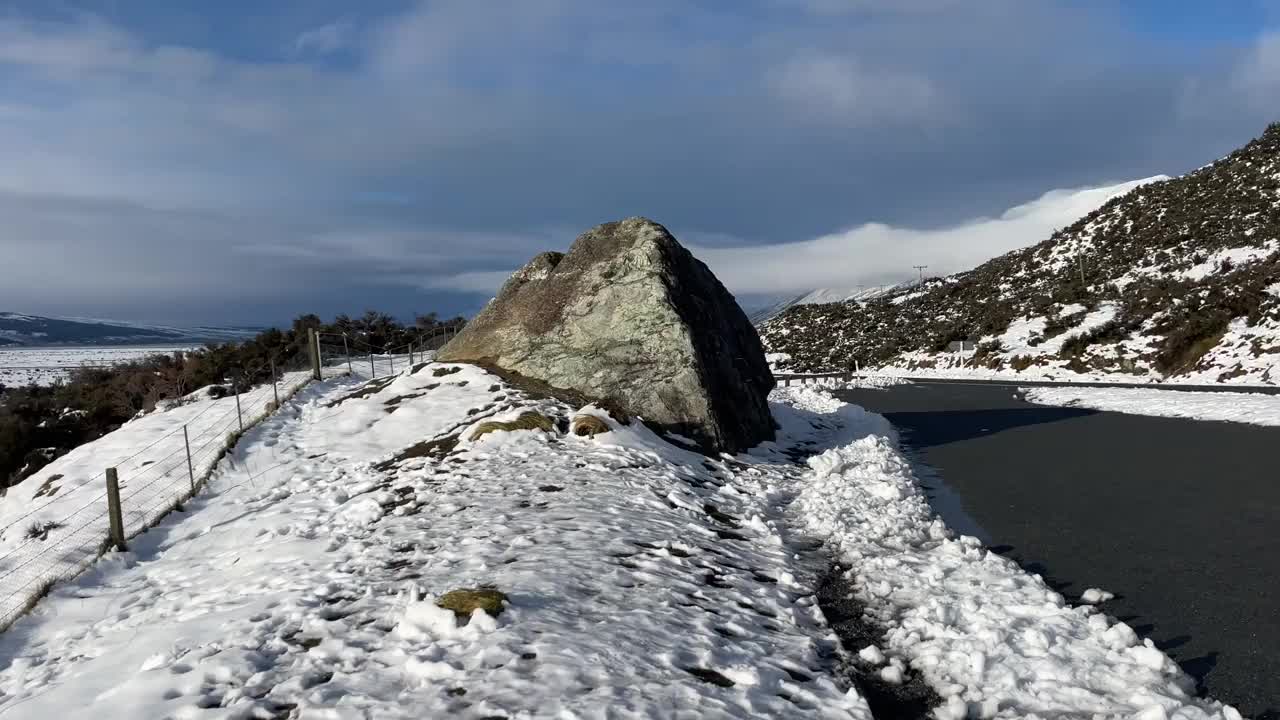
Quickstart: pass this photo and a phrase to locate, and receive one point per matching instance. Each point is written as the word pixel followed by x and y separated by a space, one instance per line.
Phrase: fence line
pixel 153 481
pixel 342 350
pixel 849 379
pixel 174 467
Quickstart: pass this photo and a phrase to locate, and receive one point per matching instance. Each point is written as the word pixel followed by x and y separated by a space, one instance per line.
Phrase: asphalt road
pixel 1179 518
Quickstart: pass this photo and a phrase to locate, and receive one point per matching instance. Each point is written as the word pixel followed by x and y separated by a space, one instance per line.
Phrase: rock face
pixel 628 315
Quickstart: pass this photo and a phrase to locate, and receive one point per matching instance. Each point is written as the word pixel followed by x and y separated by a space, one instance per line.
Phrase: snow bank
pixel 1255 408
pixel 993 640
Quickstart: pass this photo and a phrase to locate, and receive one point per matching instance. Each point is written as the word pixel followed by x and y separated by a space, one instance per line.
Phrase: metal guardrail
pixel 785 379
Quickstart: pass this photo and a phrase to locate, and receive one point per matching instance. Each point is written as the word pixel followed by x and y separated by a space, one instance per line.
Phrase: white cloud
pixel 472 282
pixel 328 38
pixel 839 88
pixel 1258 75
pixel 872 252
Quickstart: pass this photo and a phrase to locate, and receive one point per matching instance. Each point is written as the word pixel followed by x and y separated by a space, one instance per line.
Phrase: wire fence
pixel 60 538
pixel 357 355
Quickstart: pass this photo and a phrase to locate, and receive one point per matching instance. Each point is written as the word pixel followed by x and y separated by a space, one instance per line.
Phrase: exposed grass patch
pixel 588 426
pixel 465 601
pixel 526 421
pixel 39 530
pixel 370 388
pixel 437 448
pixel 1021 362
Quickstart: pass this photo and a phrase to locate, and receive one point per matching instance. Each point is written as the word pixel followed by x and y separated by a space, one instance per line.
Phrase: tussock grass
pixel 526 421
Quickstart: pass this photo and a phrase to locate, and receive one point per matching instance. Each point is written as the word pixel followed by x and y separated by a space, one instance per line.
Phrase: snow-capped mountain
pixel 1177 279
pixel 20 329
pixel 861 293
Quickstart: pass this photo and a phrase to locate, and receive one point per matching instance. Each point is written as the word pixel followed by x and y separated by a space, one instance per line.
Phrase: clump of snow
pixel 1095 596
pixel 1254 408
pixel 871 655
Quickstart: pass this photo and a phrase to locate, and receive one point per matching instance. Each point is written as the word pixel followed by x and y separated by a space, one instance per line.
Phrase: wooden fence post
pixel 114 514
pixel 191 470
pixel 275 389
pixel 373 371
pixel 239 416
pixel 347 351
pixel 313 346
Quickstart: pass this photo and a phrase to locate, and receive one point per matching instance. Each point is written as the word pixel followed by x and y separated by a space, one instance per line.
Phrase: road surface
pixel 1179 518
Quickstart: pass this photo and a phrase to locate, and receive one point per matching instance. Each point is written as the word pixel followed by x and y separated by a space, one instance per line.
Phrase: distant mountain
pixel 1174 280
pixel 18 330
pixel 862 293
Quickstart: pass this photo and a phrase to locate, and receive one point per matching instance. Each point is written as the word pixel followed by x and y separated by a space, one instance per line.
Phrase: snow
pixel 1235 256
pixel 1016 339
pixel 1254 408
pixel 1094 596
pixel 305 577
pixel 47 365
pixel 871 655
pixel 642 580
pixel 992 639
pixel 861 293
pixel 67 497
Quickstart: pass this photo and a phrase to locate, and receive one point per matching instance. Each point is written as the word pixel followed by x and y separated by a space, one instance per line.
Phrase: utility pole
pixel 921 269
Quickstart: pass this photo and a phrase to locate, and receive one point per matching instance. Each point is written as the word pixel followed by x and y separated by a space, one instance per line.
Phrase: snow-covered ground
pixel 959 367
pixel 1255 408
pixel 642 580
pixel 53 523
pixel 46 365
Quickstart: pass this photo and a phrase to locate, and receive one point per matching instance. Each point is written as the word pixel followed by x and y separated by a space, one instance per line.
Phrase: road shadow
pixel 930 428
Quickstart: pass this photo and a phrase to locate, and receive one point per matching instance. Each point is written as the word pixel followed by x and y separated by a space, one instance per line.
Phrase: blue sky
pixel 194 162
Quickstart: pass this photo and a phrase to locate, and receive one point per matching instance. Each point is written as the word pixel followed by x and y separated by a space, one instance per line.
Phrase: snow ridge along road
pixel 1253 408
pixel 642 578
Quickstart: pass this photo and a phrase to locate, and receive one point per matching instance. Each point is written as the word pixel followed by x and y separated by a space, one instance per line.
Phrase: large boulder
pixel 629 316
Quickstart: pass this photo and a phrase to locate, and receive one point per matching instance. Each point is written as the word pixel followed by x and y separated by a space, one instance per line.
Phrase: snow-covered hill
pixel 640 579
pixel 20 329
pixel 861 293
pixel 1176 280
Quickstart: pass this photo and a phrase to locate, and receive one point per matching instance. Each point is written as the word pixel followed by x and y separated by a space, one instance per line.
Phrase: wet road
pixel 1179 518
